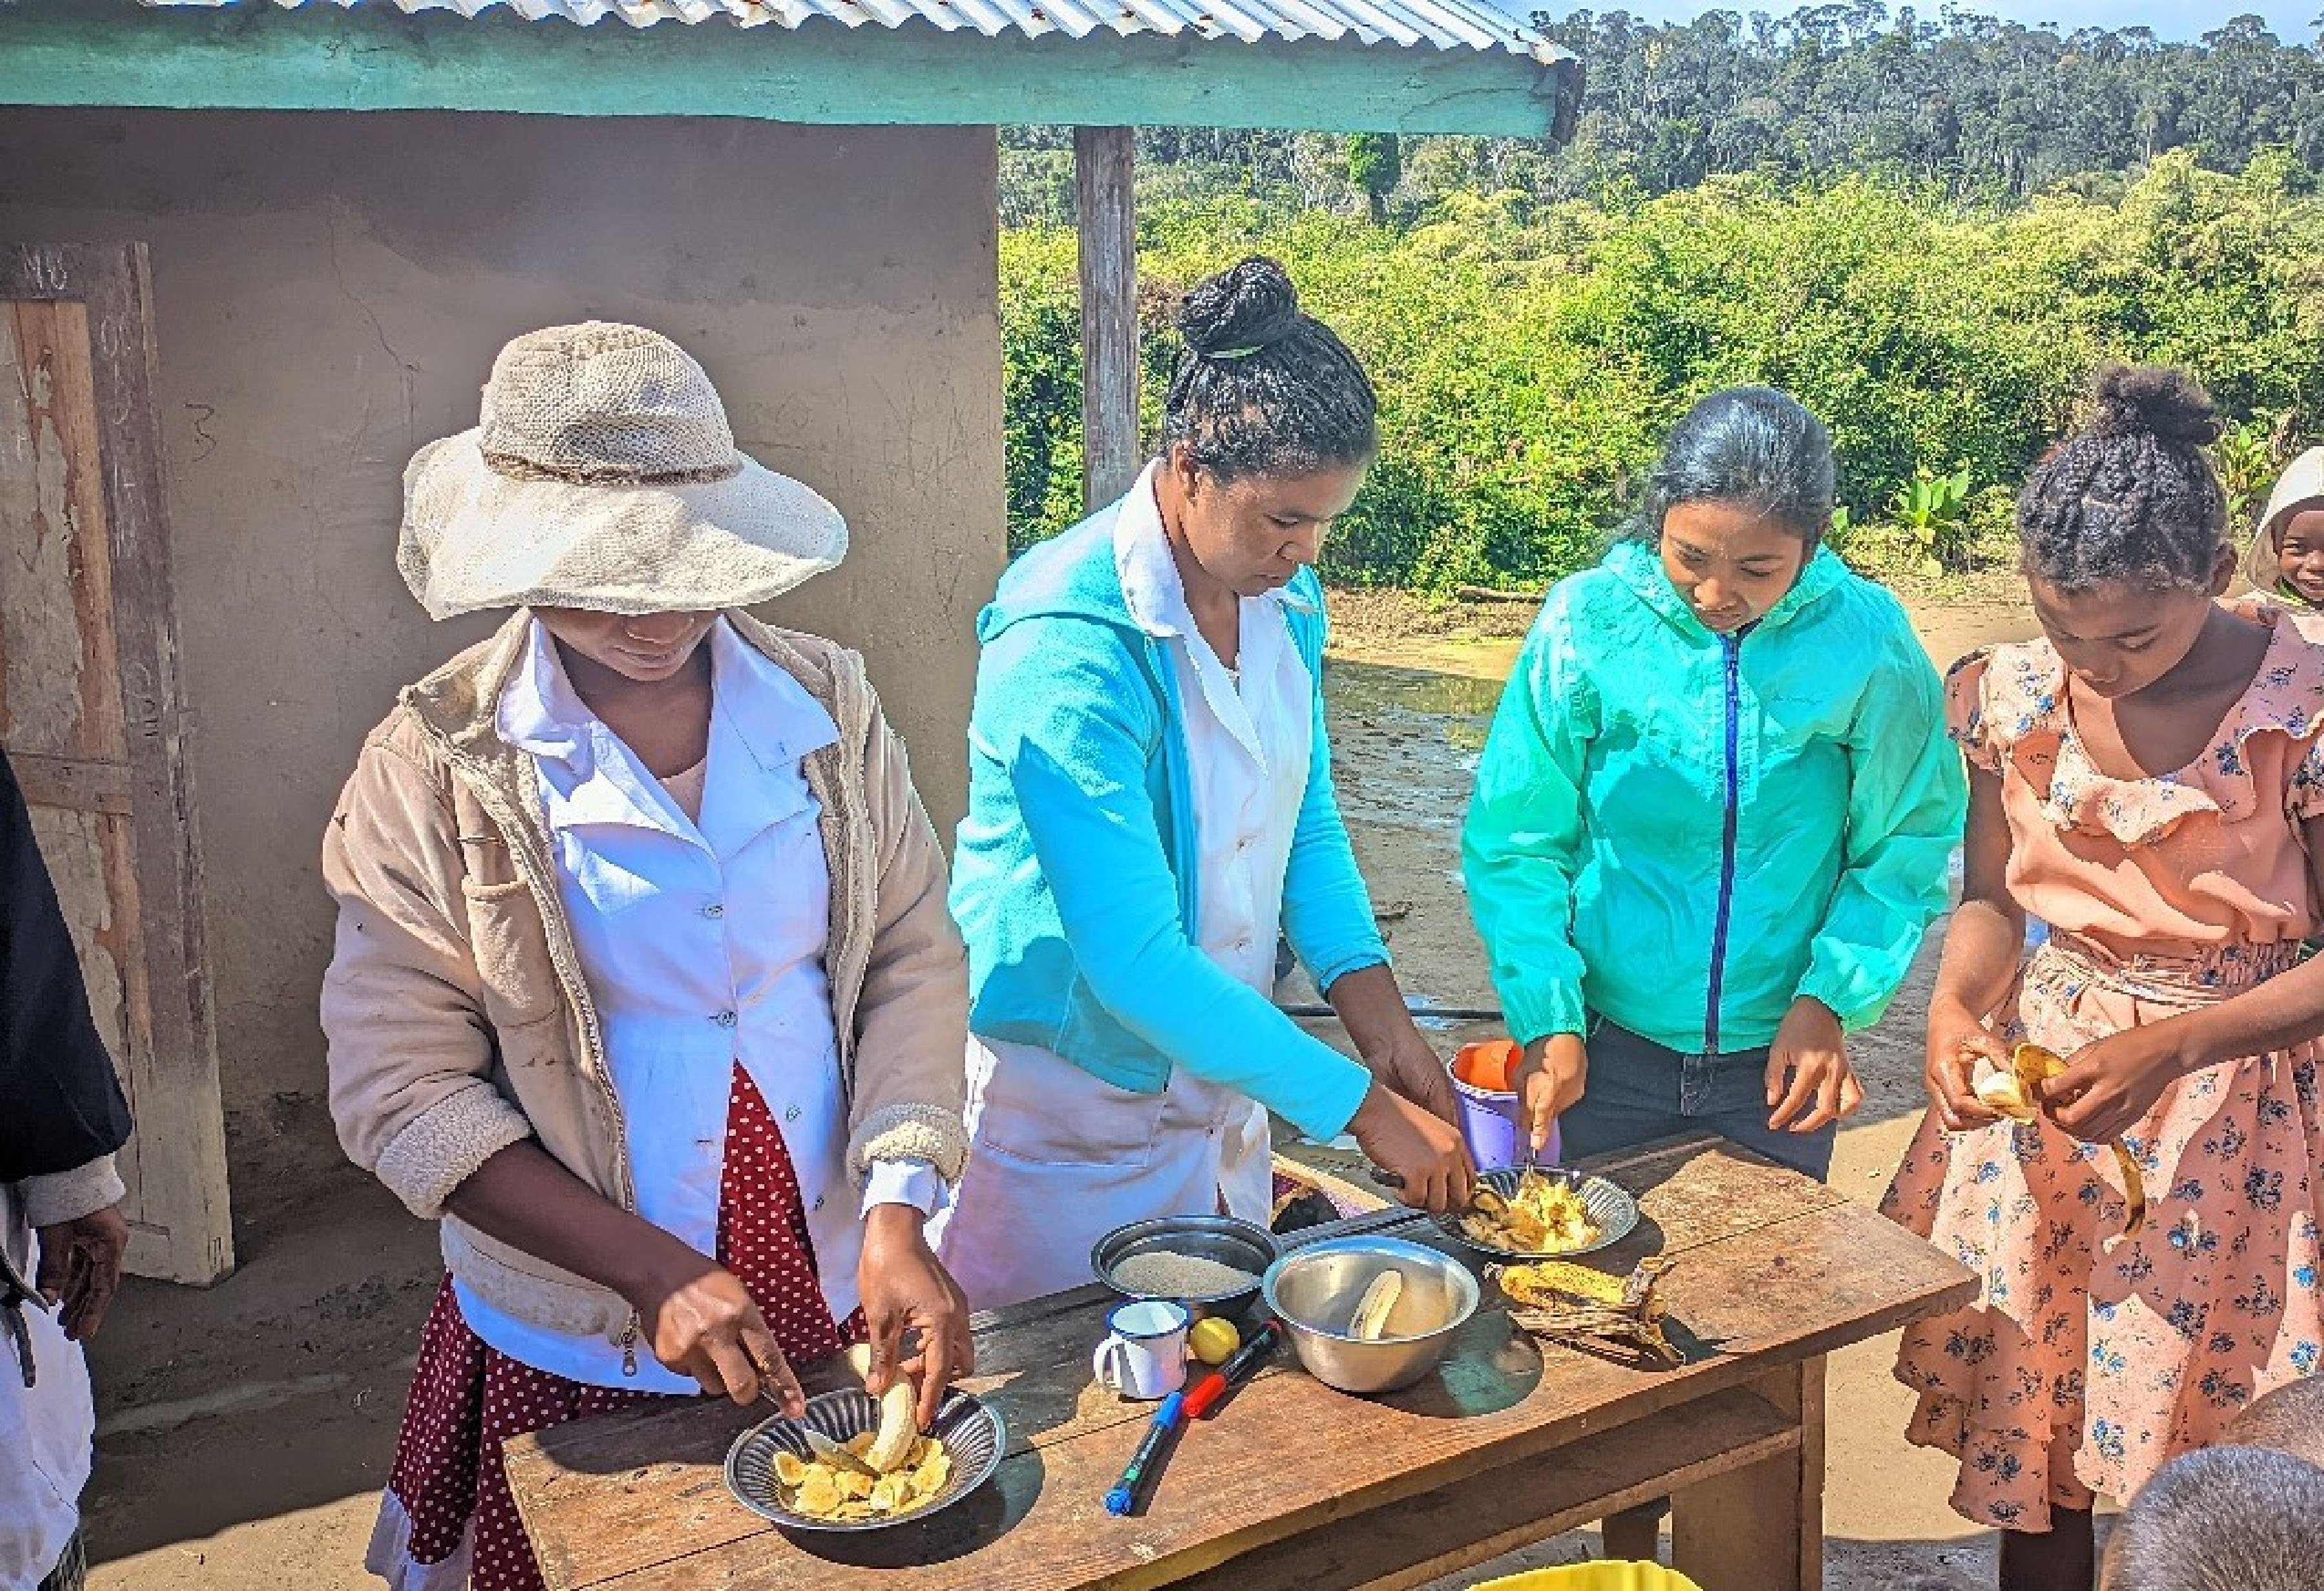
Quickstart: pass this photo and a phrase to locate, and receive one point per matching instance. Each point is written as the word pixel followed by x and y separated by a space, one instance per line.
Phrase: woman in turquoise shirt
pixel 1149 802
pixel 1716 811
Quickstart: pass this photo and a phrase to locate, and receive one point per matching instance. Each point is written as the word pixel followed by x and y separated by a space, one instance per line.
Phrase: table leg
pixel 1635 1535
pixel 1760 1528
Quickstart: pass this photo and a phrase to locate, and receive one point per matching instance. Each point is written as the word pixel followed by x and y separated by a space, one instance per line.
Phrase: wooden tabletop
pixel 1776 1270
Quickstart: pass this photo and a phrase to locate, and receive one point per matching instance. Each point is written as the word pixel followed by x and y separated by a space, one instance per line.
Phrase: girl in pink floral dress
pixel 2149 781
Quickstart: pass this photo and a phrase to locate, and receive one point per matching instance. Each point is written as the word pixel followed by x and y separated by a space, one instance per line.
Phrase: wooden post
pixel 1104 160
pixel 1762 1525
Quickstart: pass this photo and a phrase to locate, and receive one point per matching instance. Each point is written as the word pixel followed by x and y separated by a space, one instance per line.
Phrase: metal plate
pixel 970 1430
pixel 1610 1206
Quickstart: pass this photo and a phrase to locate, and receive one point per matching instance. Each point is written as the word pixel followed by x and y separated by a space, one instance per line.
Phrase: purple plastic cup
pixel 1491 1127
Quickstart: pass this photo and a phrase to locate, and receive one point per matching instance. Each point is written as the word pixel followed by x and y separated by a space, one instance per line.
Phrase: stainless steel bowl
pixel 1316 1289
pixel 1223 1238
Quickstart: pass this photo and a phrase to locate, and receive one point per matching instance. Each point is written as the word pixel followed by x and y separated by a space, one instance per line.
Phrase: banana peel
pixel 1564 1302
pixel 2016 1093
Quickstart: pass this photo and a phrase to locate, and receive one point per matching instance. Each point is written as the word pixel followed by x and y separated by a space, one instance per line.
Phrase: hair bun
pixel 2161 402
pixel 1244 308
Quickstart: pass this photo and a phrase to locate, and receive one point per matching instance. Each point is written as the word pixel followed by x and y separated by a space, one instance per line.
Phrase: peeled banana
pixel 1379 1302
pixel 2015 1092
pixel 898 1431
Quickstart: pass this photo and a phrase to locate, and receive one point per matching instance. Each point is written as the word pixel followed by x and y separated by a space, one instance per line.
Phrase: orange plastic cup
pixel 1490 1064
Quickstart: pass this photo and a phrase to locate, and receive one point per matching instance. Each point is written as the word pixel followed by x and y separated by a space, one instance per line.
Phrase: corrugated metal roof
pixel 1442 24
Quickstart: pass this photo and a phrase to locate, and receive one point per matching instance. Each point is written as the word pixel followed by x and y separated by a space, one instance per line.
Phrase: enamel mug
pixel 1144 1353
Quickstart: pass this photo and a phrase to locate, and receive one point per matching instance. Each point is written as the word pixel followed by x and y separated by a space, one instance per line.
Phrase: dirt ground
pixel 243 1432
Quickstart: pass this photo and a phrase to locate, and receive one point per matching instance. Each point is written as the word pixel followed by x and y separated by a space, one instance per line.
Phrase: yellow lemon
pixel 1213 1340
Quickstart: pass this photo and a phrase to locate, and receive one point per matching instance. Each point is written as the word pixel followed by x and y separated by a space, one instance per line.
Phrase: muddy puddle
pixel 1406 731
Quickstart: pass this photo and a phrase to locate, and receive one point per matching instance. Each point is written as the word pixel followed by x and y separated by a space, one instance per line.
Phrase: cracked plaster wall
pixel 329 291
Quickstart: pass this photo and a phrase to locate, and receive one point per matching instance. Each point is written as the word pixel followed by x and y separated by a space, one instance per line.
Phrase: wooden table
pixel 1293 1485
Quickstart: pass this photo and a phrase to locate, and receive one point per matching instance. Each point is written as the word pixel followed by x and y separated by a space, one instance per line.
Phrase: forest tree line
pixel 1928 230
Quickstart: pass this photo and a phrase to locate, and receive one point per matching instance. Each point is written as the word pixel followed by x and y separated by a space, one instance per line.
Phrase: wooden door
pixel 94 723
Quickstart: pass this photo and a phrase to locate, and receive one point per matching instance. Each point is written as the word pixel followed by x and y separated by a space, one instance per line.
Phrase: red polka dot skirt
pixel 468 1399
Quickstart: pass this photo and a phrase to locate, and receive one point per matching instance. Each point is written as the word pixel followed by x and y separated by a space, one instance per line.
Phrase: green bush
pixel 1529 356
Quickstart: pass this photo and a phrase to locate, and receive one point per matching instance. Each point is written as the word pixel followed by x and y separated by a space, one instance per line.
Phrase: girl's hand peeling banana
pixel 2015 1092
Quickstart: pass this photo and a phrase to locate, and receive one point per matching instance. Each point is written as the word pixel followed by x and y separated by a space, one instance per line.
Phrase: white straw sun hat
pixel 604 476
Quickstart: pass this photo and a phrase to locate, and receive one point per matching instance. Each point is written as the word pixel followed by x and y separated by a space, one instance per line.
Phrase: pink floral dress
pixel 2093 1359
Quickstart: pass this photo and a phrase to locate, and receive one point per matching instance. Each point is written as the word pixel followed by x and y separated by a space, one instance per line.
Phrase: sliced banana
pixel 835 1453
pixel 898 1431
pixel 1370 1322
pixel 819 1495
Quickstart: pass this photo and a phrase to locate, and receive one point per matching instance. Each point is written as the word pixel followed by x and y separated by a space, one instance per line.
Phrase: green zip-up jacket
pixel 1683 832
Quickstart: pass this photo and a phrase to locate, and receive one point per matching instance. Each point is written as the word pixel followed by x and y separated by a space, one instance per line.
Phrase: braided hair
pixel 1261 388
pixel 2130 497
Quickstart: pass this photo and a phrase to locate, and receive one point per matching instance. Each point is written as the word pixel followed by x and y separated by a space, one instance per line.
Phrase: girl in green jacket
pixel 1716 811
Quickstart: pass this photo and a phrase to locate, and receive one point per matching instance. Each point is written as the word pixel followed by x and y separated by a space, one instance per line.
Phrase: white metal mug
pixel 1144 1353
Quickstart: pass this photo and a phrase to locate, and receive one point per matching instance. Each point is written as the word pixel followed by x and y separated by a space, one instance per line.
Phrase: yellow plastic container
pixel 1594 1577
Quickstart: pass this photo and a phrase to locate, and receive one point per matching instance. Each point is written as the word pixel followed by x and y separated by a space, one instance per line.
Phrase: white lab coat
pixel 1059 1158
pixel 703 941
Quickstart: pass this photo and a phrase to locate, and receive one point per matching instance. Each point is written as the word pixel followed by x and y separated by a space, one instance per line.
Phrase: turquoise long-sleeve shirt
pixel 1074 876
pixel 1683 832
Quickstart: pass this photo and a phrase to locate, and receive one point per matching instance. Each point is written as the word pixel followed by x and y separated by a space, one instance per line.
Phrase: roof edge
pixel 324 58
pixel 1443 24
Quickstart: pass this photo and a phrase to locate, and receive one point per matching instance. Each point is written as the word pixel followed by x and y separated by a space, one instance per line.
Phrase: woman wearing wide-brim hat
pixel 644 984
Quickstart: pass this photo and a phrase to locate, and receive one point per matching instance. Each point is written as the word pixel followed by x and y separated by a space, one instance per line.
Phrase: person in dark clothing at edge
pixel 62 1117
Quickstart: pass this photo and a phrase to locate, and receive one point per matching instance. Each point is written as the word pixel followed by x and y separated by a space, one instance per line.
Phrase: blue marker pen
pixel 1166 1419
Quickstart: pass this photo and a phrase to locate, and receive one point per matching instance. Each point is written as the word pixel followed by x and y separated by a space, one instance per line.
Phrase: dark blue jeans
pixel 1638 1091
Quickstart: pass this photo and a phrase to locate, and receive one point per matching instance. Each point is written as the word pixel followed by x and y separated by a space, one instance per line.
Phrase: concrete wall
pixel 329 291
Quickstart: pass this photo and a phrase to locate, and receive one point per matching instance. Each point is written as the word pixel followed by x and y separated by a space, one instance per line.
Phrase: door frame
pixel 180 1125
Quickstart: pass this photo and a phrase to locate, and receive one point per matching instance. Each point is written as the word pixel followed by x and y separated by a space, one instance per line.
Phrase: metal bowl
pixel 1315 1288
pixel 1240 1244
pixel 970 1430
pixel 1611 1206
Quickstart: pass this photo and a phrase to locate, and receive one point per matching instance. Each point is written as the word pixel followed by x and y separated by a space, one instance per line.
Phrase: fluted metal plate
pixel 971 1431
pixel 1610 1206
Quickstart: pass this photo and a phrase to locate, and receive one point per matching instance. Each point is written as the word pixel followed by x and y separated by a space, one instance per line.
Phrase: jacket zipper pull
pixel 629 1341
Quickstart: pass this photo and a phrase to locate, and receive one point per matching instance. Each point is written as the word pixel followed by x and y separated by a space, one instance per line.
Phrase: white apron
pixel 1059 1158
pixel 45 1430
